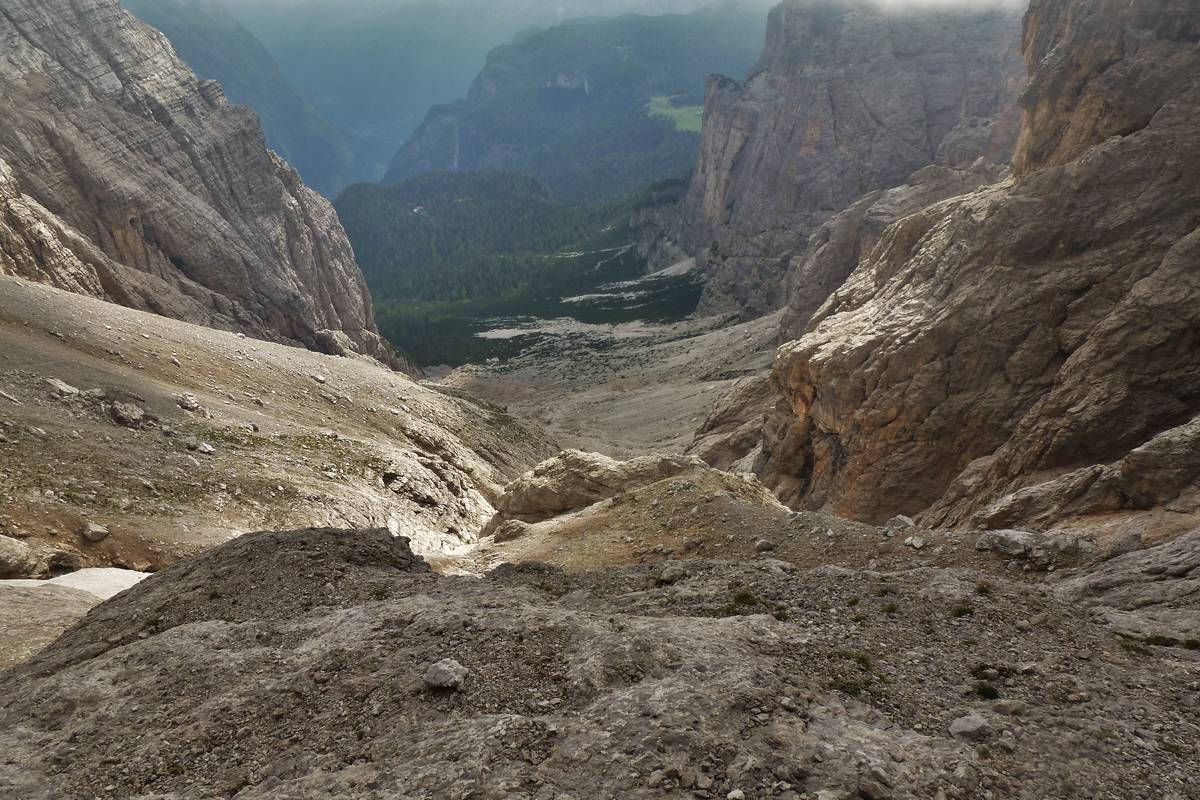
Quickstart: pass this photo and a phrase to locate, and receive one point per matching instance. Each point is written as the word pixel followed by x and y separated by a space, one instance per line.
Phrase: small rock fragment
pixel 972 727
pixel 127 414
pixel 94 532
pixel 873 790
pixel 1009 707
pixel 62 388
pixel 445 674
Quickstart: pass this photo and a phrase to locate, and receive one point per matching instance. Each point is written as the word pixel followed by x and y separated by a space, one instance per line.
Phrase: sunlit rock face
pixel 1025 353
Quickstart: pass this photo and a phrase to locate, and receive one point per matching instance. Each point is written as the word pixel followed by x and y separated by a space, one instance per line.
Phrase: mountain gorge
pixel 907 509
pixel 376 67
pixel 127 178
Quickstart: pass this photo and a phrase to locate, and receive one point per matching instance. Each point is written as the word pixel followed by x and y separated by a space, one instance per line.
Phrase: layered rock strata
pixel 125 177
pixel 1025 353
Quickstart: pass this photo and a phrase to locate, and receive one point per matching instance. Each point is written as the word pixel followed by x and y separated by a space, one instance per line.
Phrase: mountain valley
pixel 847 448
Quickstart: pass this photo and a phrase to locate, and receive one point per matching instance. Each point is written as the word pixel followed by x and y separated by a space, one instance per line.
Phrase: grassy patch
pixel 746 602
pixel 857 656
pixel 685 118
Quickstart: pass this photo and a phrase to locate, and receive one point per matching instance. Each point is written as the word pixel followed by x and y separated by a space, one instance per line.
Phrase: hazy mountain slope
pixel 217 46
pixel 124 176
pixel 376 67
pixel 453 236
pixel 587 107
pixel 1026 354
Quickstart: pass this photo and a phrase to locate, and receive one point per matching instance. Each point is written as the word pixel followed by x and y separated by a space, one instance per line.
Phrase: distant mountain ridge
pixel 376 67
pixel 590 107
pixel 849 97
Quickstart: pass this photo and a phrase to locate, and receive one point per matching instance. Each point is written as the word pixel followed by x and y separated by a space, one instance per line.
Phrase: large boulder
pixel 574 479
pixel 16 558
pixel 1151 594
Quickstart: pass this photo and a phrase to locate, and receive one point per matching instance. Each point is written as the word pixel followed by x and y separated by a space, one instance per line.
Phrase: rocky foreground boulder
pixel 1024 354
pixel 323 663
pixel 125 177
pixel 575 479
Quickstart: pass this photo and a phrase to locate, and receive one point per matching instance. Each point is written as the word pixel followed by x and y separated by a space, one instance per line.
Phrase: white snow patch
pixel 103 582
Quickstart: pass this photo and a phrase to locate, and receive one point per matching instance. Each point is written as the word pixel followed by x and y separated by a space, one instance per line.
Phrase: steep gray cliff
pixel 1026 353
pixel 125 177
pixel 849 97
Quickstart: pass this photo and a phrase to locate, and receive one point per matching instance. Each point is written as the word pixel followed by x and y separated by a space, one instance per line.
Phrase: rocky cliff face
pixel 125 177
pixel 848 98
pixel 1026 353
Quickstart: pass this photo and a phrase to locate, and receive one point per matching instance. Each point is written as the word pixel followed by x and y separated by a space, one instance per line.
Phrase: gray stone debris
pixel 188 402
pixel 1041 549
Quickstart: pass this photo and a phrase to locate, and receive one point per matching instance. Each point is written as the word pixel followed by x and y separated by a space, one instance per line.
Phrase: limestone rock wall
pixel 1044 327
pixel 848 98
pixel 125 177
